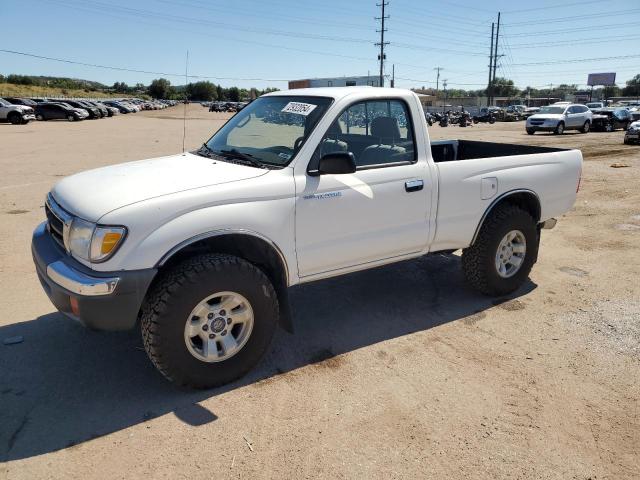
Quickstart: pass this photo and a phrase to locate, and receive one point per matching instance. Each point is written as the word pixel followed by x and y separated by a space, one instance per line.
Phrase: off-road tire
pixel 478 260
pixel 178 291
pixel 559 129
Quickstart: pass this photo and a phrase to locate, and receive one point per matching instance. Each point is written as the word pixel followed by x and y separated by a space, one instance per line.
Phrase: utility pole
pixel 393 75
pixel 489 89
pixel 495 54
pixel 382 43
pixel 444 85
pixel 438 80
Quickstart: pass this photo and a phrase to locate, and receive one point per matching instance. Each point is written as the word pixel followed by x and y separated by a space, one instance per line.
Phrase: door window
pixel 377 132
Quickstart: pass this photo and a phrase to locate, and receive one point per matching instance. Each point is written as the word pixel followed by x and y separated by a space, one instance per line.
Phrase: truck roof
pixel 340 92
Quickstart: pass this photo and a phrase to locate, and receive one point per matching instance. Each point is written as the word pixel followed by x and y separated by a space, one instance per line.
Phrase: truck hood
pixel 92 194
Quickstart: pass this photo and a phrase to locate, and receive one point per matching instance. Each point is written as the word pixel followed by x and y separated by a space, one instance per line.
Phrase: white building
pixel 335 82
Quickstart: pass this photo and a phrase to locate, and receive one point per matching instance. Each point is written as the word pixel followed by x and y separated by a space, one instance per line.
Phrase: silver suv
pixel 560 117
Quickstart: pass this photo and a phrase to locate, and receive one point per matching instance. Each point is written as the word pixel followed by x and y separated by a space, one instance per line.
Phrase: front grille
pixel 537 122
pixel 55 220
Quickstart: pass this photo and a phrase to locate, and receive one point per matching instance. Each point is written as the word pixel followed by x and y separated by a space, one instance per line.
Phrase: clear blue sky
pixel 259 43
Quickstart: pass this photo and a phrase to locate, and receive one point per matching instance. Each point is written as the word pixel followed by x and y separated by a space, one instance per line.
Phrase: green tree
pixel 234 94
pixel 160 88
pixel 202 91
pixel 611 91
pixel 503 87
pixel 633 87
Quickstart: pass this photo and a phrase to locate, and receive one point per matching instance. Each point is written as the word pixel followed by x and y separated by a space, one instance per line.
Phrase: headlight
pixel 90 242
pixel 79 238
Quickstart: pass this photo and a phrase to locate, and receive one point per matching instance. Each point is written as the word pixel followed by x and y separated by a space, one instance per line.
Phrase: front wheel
pixel 502 256
pixel 559 129
pixel 209 320
pixel 39 118
pixel 71 118
pixel 16 119
pixel 531 131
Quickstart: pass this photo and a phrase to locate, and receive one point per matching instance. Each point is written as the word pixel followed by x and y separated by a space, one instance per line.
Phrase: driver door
pixel 380 211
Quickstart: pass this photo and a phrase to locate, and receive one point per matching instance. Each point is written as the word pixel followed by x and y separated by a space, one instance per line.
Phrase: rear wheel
pixel 503 254
pixel 585 128
pixel 209 320
pixel 608 127
pixel 559 129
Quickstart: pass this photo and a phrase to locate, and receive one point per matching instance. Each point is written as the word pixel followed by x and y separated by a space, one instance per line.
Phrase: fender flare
pixel 499 199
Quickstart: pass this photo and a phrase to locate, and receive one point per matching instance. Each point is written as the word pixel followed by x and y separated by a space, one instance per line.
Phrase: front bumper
pixel 102 301
pixel 545 127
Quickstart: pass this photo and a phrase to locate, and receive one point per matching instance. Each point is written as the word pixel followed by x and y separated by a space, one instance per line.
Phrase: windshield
pixel 552 110
pixel 4 103
pixel 270 130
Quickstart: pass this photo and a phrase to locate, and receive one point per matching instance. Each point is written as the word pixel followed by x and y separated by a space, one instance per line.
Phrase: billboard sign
pixel 606 79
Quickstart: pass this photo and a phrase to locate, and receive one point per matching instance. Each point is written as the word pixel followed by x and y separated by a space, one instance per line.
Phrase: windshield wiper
pixel 245 157
pixel 205 151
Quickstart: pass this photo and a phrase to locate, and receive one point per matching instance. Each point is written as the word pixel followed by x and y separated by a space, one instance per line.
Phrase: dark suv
pixel 94 112
pixel 610 119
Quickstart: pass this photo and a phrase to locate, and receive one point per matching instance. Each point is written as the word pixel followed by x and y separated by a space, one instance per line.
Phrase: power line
pixel 123 69
pixel 103 7
pixel 576 60
pixel 575 17
pixel 566 30
pixel 554 7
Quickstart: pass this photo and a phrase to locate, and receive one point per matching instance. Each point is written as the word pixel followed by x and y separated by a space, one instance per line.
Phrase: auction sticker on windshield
pixel 299 108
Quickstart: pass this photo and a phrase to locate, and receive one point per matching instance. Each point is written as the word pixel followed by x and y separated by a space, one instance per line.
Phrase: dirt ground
pixel 399 372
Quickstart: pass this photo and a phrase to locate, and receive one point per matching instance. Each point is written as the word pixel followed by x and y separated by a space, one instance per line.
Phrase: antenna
pixel 184 115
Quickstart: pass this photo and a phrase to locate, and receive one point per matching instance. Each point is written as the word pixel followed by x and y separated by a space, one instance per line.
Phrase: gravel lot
pixel 399 372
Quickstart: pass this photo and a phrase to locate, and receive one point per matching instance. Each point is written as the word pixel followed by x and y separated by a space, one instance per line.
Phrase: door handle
pixel 413 185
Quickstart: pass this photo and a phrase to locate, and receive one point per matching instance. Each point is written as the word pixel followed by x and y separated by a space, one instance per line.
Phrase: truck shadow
pixel 64 385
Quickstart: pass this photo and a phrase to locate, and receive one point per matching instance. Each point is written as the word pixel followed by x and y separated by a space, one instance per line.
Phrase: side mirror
pixel 336 163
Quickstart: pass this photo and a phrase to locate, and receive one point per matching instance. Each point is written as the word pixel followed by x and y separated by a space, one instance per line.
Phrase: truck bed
pixel 453 150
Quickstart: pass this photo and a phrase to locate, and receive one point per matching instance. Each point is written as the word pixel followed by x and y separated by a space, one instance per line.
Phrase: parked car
pixel 59 111
pixel 610 119
pixel 111 111
pixel 632 135
pixel 15 114
pixel 202 256
pixel 93 112
pixel 594 105
pixel 21 101
pixel 104 112
pixel 122 108
pixel 559 117
pixel 530 111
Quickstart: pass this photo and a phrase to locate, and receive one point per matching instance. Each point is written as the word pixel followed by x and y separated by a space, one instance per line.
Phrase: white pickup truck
pixel 200 248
